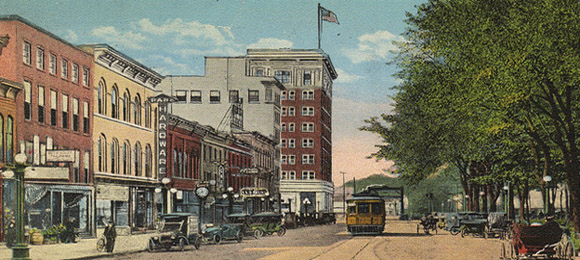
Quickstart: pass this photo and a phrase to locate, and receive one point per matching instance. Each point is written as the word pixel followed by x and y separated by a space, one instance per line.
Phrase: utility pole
pixel 343 195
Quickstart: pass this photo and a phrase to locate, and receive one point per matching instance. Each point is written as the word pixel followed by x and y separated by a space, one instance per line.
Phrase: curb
pixel 107 255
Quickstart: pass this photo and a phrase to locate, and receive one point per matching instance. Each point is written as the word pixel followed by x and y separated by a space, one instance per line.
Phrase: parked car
pixel 223 232
pixel 267 223
pixel 176 229
pixel 243 220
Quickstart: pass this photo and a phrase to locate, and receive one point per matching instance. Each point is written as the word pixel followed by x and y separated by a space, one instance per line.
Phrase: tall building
pixel 306 131
pixel 124 139
pixel 53 108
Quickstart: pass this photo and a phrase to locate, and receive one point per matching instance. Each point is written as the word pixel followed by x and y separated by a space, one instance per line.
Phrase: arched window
pixel 148 161
pixel 175 170
pixel 115 156
pixel 147 114
pixel 126 158
pixel 1 138
pixel 137 159
pixel 101 161
pixel 9 139
pixel 115 102
pixel 137 110
pixel 101 94
pixel 127 107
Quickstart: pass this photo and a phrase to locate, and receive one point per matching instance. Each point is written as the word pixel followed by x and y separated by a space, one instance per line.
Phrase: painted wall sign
pixel 60 155
pixel 162 101
pixel 254 192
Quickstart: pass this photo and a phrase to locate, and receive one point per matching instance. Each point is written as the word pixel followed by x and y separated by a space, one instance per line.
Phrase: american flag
pixel 328 15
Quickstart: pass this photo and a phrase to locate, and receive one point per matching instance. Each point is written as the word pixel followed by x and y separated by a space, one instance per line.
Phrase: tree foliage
pixel 490 87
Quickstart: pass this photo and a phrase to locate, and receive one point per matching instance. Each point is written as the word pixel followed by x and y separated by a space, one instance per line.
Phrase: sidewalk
pixel 84 249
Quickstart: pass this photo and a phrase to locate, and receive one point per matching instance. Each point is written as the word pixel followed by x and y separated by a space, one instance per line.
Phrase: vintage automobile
pixel 267 223
pixel 243 220
pixel 176 229
pixel 226 231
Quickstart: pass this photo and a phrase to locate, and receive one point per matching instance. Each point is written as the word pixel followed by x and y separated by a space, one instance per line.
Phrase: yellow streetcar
pixel 365 214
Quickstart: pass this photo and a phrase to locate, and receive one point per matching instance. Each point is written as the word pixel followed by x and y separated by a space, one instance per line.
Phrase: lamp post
pixel 162 190
pixel 306 202
pixel 229 195
pixel 20 250
pixel 506 189
pixel 466 201
pixel 547 180
pixel 481 194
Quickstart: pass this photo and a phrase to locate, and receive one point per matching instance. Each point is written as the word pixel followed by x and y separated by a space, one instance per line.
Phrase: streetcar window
pixel 352 209
pixel 363 208
pixel 376 208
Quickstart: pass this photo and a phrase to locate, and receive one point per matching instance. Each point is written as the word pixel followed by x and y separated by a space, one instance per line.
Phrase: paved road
pixel 400 241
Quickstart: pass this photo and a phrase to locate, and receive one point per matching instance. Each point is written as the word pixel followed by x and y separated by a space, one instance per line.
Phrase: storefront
pixel 48 205
pixel 130 208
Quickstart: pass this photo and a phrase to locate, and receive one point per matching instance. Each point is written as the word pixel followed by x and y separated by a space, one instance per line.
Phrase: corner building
pixel 123 140
pixel 306 131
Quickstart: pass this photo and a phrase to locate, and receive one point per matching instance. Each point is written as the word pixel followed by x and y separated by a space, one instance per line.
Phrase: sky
pixel 172 37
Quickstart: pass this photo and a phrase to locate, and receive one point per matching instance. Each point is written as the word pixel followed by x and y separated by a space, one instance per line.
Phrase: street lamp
pixel 547 180
pixel 306 202
pixel 466 202
pixel 20 250
pixel 506 189
pixel 481 194
pixel 229 194
pixel 164 181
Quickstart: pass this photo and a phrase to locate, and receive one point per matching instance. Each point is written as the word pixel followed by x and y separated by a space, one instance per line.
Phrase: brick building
pixel 53 108
pixel 306 130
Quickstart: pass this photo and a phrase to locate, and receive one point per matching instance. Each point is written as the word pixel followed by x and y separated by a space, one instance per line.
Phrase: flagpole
pixel 319 25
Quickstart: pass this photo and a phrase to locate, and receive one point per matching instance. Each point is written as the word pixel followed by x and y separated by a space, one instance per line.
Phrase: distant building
pixel 53 108
pixel 124 139
pixel 306 129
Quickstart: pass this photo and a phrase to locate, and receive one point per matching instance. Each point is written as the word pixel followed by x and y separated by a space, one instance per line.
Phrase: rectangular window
pixel 308 175
pixel 181 95
pixel 283 127
pixel 291 127
pixel 307 78
pixel 284 111
pixel 284 175
pixel 283 159
pixel 308 111
pixel 86 76
pixel 253 96
pixel 307 143
pixel 291 143
pixel 307 127
pixel 75 112
pixel 283 76
pixel 27 100
pixel 268 95
pixel 292 175
pixel 52 64
pixel 26 55
pixel 75 72
pixel 85 117
pixel 234 96
pixel 283 95
pixel 291 111
pixel 214 96
pixel 291 95
pixel 308 159
pixel 64 69
pixel 292 159
pixel 195 96
pixel 65 111
pixel 40 104
pixel 259 73
pixel 39 58
pixel 307 94
pixel 53 107
pixel 283 143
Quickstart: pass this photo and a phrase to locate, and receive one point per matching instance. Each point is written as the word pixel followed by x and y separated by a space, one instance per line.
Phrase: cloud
pixel 372 47
pixel 271 43
pixel 168 65
pixel 129 40
pixel 344 77
pixel 71 36
pixel 183 32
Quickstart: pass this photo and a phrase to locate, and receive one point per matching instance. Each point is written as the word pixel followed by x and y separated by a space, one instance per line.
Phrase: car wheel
pixel 239 237
pixel 281 231
pixel 217 239
pixel 182 244
pixel 197 243
pixel 258 233
pixel 150 246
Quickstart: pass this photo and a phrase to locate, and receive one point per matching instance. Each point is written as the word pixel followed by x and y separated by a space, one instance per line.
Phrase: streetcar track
pixel 331 247
pixel 360 250
pixel 375 247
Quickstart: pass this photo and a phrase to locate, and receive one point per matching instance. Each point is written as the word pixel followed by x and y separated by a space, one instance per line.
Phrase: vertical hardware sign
pixel 162 101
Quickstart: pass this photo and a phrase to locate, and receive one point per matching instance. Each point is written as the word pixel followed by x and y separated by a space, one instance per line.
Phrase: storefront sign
pixel 162 101
pixel 254 192
pixel 46 173
pixel 60 155
pixel 111 192
pixel 249 171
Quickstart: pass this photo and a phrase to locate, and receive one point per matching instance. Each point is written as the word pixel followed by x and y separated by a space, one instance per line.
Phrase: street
pixel 400 241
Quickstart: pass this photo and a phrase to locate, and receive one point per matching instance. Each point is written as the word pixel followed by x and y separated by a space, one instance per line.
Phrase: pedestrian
pixel 110 235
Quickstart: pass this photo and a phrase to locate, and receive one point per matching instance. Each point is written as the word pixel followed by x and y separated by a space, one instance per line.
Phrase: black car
pixel 176 229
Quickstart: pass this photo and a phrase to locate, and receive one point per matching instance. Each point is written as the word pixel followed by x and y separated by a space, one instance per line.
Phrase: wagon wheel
pixel 281 231
pixel 150 246
pixel 217 239
pixel 197 243
pixel 258 233
pixel 239 237
pixel 454 231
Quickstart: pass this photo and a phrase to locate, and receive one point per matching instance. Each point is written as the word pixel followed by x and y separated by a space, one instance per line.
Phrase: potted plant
pixel 36 237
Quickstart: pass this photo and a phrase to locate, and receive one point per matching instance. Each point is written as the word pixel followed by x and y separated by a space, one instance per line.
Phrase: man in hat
pixel 110 235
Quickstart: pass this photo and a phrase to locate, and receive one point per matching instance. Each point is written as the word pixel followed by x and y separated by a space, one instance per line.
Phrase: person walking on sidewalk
pixel 110 235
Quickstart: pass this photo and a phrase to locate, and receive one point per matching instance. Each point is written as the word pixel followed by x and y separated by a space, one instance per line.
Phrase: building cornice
pixel 9 89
